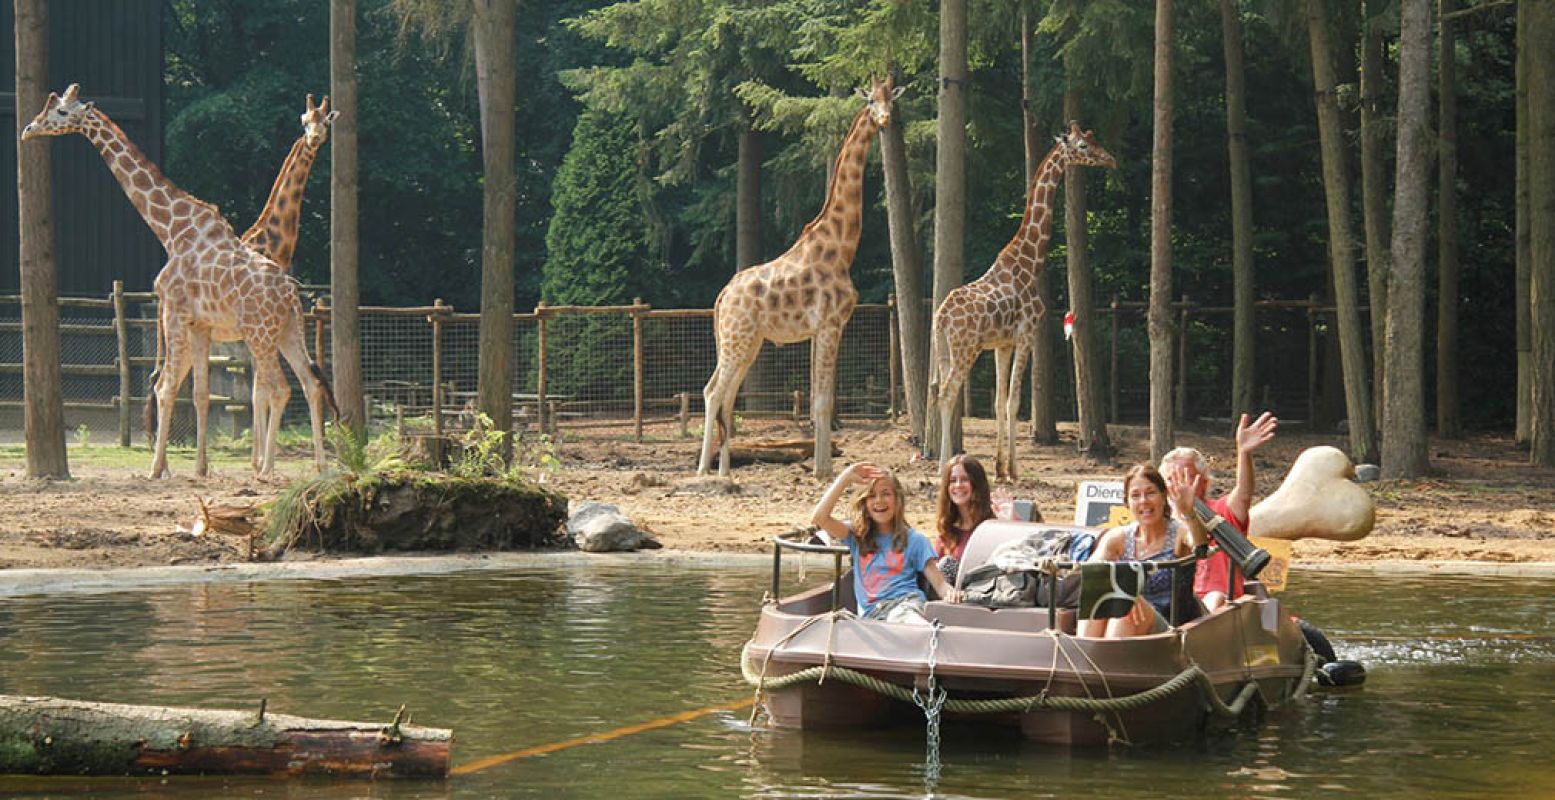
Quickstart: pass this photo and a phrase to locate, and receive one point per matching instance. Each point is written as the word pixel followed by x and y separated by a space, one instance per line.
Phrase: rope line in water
pixel 596 738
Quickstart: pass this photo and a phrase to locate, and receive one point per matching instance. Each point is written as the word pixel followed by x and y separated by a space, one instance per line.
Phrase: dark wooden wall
pixel 113 48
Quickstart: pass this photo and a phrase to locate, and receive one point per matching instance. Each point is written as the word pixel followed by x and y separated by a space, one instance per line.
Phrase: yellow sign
pixel 1280 557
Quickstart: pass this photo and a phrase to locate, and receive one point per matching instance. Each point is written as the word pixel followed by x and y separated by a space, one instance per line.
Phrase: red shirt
pixel 1212 571
pixel 962 537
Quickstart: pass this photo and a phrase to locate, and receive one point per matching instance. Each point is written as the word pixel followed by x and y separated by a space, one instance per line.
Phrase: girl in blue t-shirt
pixel 889 556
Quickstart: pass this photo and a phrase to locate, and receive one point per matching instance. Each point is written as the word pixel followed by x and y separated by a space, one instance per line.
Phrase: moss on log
pixel 53 736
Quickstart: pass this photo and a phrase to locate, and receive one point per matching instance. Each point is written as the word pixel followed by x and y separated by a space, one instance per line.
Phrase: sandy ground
pixel 1483 504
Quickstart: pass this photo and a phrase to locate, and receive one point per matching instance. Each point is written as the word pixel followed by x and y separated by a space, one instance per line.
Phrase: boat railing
pixel 808 544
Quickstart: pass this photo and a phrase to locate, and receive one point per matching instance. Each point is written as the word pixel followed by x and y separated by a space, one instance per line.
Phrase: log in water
pixel 53 736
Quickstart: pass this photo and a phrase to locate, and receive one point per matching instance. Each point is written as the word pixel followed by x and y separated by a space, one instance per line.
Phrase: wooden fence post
pixel 1182 360
pixel 1112 370
pixel 685 414
pixel 121 331
pixel 893 410
pixel 540 408
pixel 436 319
pixel 638 307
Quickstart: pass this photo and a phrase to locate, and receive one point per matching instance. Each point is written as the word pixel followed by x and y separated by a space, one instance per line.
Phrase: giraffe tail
pixel 329 393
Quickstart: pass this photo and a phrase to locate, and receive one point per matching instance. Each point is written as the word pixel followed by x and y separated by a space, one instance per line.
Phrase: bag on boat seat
pixel 1013 577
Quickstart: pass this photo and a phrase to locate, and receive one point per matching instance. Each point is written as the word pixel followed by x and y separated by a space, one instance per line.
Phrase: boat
pixel 816 665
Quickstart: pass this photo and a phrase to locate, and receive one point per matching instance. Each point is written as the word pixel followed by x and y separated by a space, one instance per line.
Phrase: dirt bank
pixel 1483 504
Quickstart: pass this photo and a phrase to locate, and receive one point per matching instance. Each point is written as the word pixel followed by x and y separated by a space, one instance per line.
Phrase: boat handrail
pixel 789 541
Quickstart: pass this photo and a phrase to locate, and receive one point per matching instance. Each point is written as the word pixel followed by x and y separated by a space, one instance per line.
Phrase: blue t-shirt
pixel 887 574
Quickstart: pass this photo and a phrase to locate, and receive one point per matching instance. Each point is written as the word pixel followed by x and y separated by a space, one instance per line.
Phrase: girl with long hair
pixel 888 555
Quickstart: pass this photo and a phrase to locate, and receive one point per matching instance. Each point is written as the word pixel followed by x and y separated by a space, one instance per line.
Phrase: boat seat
pixel 1020 620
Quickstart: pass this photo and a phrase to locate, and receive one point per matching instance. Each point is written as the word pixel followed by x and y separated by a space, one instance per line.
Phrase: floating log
pixel 53 736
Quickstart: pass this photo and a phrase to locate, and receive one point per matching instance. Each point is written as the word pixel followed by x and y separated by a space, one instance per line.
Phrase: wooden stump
pixel 53 736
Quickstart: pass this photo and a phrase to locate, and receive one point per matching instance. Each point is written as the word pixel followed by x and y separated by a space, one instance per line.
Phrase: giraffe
pixel 1001 310
pixel 805 293
pixel 211 281
pixel 274 235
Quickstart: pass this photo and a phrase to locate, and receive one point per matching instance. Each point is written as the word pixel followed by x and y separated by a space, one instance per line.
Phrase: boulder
pixel 602 528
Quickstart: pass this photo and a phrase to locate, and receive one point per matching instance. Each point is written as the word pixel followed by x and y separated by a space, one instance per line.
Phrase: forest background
pixel 630 119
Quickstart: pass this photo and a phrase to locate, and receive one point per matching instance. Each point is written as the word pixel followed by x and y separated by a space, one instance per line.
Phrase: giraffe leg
pixel 952 377
pixel 200 356
pixel 823 383
pixel 259 406
pixel 296 351
pixel 270 382
pixel 718 403
pixel 1001 393
pixel 712 403
pixel 174 369
pixel 1012 415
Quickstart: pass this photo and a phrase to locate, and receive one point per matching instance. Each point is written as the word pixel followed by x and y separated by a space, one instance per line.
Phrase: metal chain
pixel 932 701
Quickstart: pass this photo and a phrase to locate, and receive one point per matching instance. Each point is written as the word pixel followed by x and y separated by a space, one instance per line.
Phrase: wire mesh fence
pixel 626 366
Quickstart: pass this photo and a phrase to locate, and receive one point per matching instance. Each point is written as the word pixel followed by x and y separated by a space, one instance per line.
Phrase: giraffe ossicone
pixel 1001 310
pixel 805 293
pixel 211 281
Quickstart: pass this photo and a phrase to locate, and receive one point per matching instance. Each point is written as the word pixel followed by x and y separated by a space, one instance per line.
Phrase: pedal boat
pixel 817 666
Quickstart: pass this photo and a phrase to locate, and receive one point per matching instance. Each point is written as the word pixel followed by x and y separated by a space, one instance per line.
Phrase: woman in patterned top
pixel 1154 535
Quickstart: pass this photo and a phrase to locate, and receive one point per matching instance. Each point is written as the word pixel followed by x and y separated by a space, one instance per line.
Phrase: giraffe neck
pixel 841 218
pixel 274 233
pixel 1027 252
pixel 168 210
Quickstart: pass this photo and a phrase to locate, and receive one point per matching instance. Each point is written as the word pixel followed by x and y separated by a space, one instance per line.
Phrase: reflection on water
pixel 1461 674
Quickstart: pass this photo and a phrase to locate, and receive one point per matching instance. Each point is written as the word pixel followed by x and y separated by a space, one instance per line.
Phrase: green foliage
pixel 483 454
pixel 83 435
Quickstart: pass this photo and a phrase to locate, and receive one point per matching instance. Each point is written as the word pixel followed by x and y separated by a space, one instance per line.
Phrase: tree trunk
pixel 1403 440
pixel 1341 249
pixel 1374 197
pixel 907 268
pixel 747 200
pixel 1243 325
pixel 496 79
pixel 1090 399
pixel 1162 434
pixel 1044 427
pixel 949 190
pixel 41 379
pixel 1449 423
pixel 345 351
pixel 52 736
pixel 1524 429
pixel 1540 41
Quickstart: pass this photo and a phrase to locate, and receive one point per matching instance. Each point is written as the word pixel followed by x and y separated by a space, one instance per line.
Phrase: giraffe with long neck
pixel 806 293
pixel 1001 310
pixel 211 282
pixel 274 235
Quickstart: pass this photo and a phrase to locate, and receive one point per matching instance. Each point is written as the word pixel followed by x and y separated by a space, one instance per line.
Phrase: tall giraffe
pixel 1001 310
pixel 211 281
pixel 274 235
pixel 805 293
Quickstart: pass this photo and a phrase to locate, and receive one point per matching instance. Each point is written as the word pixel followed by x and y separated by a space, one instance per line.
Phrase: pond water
pixel 1461 680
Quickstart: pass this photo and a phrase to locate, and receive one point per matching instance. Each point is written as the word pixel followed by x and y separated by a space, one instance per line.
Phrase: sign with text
pixel 1099 504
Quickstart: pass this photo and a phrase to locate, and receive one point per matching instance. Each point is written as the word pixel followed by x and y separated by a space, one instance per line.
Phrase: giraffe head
pixel 62 114
pixel 1079 148
pixel 315 122
pixel 880 97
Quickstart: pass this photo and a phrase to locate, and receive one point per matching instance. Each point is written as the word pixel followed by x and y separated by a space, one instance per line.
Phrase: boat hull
pixel 1007 668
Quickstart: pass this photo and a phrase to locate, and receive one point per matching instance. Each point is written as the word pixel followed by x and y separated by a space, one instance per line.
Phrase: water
pixel 1461 675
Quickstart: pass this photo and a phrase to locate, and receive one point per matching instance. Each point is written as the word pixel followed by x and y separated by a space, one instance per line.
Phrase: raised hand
pixel 1003 502
pixel 1183 486
pixel 1250 437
